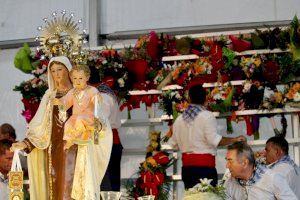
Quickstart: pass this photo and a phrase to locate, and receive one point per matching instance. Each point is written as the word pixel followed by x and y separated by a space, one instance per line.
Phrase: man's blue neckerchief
pixel 103 88
pixel 286 159
pixel 191 112
pixel 259 170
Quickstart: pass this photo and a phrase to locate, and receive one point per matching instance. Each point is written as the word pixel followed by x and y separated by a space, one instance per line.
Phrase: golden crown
pixel 60 36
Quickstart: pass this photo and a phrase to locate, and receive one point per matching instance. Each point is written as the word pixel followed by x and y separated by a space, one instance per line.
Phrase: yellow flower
pixel 257 62
pixel 149 161
pixel 278 97
pixel 154 144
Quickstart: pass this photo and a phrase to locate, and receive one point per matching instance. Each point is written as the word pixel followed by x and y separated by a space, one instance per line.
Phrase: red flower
pixel 182 79
pixel 194 51
pixel 151 189
pixel 139 182
pixel 146 176
pixel 27 114
pixel 147 100
pixel 138 68
pixel 239 44
pixel 109 81
pixel 135 101
pixel 196 42
pixel 161 158
pixel 158 178
pixel 152 46
pixel 31 105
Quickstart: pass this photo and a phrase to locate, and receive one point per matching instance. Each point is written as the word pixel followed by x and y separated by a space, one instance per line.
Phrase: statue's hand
pixel 18 146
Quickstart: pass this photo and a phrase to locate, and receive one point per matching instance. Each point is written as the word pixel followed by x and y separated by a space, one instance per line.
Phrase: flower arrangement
pixel 152 178
pixel 204 190
pixel 168 99
pixel 251 98
pixel 184 72
pixel 250 65
pixel 275 100
pixel 293 93
pixel 201 66
pixel 111 70
pixel 220 99
pixel 32 90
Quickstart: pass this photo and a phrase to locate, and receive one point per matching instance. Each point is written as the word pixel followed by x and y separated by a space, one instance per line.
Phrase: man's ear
pixel 245 162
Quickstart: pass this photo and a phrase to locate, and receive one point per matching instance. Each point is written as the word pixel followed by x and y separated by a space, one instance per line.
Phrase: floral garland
pixel 204 190
pixel 152 178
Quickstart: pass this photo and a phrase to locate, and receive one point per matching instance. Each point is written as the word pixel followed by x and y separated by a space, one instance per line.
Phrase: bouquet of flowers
pixel 108 66
pixel 292 94
pixel 251 98
pixel 184 72
pixel 220 99
pixel 204 190
pixel 32 90
pixel 250 65
pixel 168 99
pixel 152 178
pixel 275 100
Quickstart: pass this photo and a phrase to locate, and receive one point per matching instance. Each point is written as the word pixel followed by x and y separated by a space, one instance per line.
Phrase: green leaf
pixel 22 59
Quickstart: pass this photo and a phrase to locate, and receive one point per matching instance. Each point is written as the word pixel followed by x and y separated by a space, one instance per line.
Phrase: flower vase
pixel 139 68
pixel 147 197
pixel 110 195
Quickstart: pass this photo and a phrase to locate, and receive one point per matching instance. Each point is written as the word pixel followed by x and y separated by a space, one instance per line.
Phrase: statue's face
pixel 59 73
pixel 79 79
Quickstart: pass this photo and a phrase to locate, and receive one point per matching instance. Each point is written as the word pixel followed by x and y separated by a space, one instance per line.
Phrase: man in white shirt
pixel 278 160
pixel 250 181
pixel 112 178
pixel 6 158
pixel 195 135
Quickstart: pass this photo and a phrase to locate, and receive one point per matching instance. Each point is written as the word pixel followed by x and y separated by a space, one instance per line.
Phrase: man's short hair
pixel 280 142
pixel 8 129
pixel 243 149
pixel 197 94
pixel 5 145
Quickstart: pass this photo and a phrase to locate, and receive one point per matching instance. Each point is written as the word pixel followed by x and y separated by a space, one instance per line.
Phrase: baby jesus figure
pixel 82 127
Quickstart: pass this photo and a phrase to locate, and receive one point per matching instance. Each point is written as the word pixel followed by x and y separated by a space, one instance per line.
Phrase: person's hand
pixel 241 138
pixel 18 146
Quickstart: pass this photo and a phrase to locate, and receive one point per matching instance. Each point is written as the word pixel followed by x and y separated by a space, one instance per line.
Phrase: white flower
pixel 247 87
pixel 121 82
pixel 104 62
pixel 44 77
pixel 172 94
pixel 177 96
pixel 297 96
pixel 218 96
pixel 34 85
pixel 205 181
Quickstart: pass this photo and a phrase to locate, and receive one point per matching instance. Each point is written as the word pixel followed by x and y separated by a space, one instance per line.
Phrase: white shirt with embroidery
pixel 111 110
pixel 289 173
pixel 198 136
pixel 269 187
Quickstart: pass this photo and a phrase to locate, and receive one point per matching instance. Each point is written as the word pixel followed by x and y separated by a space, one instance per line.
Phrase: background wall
pixel 19 19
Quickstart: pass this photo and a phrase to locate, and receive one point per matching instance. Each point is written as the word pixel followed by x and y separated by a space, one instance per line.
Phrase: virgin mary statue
pixel 55 173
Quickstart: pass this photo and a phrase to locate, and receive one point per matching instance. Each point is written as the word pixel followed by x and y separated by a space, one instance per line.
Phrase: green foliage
pixel 23 60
